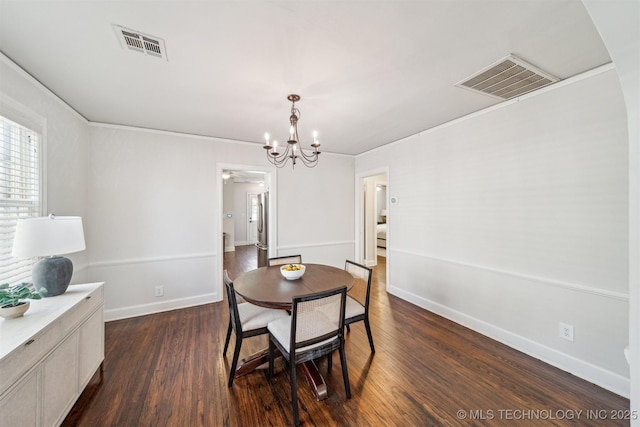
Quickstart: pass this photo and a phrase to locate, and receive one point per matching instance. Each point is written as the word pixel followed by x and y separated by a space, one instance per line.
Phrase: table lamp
pixel 49 237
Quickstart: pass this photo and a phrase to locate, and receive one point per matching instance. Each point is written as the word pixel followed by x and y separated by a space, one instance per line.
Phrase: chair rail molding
pixel 542 280
pixel 113 263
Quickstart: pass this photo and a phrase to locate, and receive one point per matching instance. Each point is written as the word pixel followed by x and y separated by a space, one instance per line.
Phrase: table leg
pixel 310 370
pixel 253 362
pixel 315 379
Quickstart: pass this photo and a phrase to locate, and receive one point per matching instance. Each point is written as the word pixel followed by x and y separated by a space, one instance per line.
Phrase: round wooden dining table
pixel 266 287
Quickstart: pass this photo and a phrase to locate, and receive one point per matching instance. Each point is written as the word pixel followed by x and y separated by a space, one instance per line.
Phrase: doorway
pixel 373 219
pixel 372 216
pixel 236 185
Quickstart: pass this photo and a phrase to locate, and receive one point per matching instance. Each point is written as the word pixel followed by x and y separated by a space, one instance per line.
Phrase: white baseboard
pixel 158 307
pixel 585 370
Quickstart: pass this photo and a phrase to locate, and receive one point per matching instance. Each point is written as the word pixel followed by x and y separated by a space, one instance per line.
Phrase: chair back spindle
pixel 283 260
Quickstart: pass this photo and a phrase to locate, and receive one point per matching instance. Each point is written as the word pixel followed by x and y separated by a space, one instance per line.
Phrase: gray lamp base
pixel 51 276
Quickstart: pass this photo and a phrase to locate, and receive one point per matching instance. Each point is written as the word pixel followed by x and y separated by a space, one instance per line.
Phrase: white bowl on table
pixel 292 271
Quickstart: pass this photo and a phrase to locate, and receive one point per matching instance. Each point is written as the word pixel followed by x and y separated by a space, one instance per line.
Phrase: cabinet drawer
pixel 81 311
pixel 26 356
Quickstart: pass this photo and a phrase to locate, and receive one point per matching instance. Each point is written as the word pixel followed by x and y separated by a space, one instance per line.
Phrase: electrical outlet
pixel 160 291
pixel 566 331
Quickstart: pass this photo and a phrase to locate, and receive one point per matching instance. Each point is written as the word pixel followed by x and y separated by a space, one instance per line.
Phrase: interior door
pixel 252 218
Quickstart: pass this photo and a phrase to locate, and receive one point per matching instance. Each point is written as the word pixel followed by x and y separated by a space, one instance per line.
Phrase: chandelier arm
pixel 282 158
pixel 309 160
pixel 278 165
pixel 313 156
pixel 308 163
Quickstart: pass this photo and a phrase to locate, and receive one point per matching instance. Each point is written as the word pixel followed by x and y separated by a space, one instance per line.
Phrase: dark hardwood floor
pixel 167 369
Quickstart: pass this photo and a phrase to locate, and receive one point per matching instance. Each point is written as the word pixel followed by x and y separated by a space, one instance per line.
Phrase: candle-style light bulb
pixel 291 132
pixel 315 144
pixel 266 138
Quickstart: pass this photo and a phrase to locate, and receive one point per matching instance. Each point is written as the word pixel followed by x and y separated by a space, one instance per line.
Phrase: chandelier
pixel 279 156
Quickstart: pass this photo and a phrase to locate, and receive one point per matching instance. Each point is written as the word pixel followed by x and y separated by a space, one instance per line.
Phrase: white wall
pixel 619 25
pixel 316 211
pixel 66 142
pixel 154 211
pixel 515 219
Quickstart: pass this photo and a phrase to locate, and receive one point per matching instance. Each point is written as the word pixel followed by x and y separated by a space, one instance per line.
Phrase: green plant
pixel 14 295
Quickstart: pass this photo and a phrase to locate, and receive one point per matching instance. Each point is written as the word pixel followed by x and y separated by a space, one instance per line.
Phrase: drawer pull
pixel 29 342
pixel 89 297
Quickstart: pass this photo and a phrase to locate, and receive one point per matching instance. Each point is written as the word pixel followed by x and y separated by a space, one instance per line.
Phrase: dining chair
pixel 247 320
pixel 356 310
pixel 239 298
pixel 281 260
pixel 315 329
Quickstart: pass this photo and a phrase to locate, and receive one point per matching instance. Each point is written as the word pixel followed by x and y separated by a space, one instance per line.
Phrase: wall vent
pixel 140 42
pixel 508 78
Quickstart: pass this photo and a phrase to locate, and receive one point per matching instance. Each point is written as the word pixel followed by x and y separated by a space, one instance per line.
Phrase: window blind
pixel 20 193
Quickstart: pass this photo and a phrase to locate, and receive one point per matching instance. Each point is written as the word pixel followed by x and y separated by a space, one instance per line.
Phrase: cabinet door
pixel 60 381
pixel 19 407
pixel 91 346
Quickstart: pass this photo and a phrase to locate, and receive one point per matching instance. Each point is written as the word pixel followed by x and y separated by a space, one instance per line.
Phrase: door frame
pixel 270 185
pixel 359 214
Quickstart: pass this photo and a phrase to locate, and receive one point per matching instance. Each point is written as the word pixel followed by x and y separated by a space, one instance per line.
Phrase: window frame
pixel 23 116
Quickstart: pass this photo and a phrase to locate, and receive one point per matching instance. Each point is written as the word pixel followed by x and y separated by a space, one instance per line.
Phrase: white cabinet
pixel 59 381
pixel 48 356
pixel 91 340
pixel 19 407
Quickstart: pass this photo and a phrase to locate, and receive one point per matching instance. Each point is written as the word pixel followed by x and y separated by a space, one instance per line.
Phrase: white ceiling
pixel 368 72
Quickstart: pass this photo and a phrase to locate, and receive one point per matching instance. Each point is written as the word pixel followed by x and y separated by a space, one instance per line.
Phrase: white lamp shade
pixel 46 236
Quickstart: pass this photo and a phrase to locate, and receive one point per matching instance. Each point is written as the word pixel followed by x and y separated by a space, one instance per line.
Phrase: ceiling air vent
pixel 508 78
pixel 140 42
